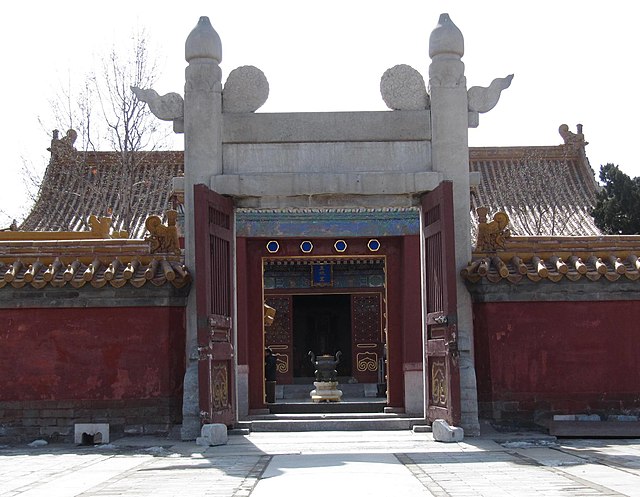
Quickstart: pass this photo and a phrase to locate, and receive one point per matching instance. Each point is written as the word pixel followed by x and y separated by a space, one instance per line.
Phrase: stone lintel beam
pixel 327 127
pixel 292 184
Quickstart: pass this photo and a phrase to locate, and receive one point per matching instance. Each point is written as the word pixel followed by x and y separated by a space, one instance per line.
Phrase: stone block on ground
pixel 421 429
pixel 443 432
pixel 622 417
pixel 91 433
pixel 588 417
pixel 564 417
pixel 213 434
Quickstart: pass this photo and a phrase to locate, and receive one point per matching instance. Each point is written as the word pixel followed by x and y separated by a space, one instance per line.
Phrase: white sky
pixel 574 62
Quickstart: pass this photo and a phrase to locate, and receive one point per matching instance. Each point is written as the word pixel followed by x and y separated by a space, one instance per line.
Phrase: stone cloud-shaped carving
pixel 484 99
pixel 169 107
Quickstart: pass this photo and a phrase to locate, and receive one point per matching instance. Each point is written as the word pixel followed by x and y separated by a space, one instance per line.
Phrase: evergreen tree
pixel 617 210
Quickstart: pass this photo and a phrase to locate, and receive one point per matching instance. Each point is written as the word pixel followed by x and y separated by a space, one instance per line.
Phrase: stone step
pixel 330 422
pixel 338 416
pixel 349 390
pixel 327 407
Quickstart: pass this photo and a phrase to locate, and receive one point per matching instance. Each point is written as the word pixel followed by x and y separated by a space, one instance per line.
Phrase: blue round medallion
pixel 340 246
pixel 273 247
pixel 374 245
pixel 306 246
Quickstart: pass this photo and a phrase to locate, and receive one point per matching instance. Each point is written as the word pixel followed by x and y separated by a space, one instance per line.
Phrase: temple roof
pixel 78 184
pixel 97 257
pixel 558 258
pixel 499 256
pixel 545 190
pixel 95 262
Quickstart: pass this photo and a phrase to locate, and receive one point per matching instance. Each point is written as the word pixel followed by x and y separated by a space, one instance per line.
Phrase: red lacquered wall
pixel 91 353
pixel 557 356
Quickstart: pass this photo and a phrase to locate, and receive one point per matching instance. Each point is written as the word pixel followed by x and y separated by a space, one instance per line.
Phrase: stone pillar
pixel 450 156
pixel 202 159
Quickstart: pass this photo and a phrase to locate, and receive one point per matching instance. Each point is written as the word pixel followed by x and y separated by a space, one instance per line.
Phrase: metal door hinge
pixel 441 319
pixel 204 353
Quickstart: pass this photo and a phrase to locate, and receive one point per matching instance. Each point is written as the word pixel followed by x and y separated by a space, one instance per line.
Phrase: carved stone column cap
pixel 203 42
pixel 446 38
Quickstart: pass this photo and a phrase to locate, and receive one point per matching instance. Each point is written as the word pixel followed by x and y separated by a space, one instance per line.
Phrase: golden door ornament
pixel 438 383
pixel 367 361
pixel 220 386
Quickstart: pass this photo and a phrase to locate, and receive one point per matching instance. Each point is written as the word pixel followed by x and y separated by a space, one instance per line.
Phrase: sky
pixel 573 61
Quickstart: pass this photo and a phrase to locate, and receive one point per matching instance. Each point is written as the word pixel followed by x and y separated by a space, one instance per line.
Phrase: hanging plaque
pixel 321 275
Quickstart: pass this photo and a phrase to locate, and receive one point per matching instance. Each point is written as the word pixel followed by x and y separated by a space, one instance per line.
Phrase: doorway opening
pixel 351 323
pixel 371 276
pixel 322 325
pixel 328 306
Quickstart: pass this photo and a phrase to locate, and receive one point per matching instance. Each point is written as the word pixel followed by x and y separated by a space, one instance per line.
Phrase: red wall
pixel 95 353
pixel 566 357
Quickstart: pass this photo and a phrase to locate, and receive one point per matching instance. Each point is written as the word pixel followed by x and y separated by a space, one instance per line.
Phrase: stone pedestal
pixel 212 434
pixel 444 432
pixel 326 391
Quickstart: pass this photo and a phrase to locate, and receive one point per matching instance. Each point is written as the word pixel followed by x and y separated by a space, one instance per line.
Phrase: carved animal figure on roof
pixel 165 107
pixel 493 234
pixel 70 138
pixel 100 226
pixel 571 138
pixel 163 239
pixel 64 144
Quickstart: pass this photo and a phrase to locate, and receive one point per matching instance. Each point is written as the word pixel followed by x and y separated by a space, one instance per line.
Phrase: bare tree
pixel 131 128
pixel 6 223
pixel 104 114
pixel 72 107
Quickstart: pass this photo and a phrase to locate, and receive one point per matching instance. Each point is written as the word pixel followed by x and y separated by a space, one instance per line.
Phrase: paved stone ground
pixel 309 464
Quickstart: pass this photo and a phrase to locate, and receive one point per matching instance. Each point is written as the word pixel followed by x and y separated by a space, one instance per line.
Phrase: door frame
pixel 403 334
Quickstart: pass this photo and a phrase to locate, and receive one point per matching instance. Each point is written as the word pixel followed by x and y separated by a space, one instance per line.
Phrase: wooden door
pixel 214 305
pixel 366 335
pixel 279 337
pixel 443 373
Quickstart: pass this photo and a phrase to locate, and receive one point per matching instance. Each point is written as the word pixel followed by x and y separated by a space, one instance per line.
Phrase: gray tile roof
pixel 544 190
pixel 78 184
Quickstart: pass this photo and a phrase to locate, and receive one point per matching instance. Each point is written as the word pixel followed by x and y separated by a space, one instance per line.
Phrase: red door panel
pixel 442 371
pixel 366 335
pixel 214 304
pixel 279 337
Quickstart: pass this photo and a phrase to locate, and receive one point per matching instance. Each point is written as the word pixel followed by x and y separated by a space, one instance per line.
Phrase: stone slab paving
pixel 144 469
pixel 363 463
pixel 319 475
